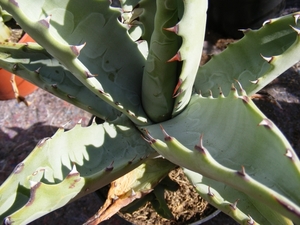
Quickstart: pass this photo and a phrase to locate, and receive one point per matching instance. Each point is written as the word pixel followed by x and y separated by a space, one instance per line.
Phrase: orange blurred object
pixel 24 87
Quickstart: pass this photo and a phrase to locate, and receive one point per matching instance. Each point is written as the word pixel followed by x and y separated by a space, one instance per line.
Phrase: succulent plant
pixel 136 66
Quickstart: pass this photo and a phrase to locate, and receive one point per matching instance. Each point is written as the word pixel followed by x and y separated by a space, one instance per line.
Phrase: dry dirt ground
pixel 185 204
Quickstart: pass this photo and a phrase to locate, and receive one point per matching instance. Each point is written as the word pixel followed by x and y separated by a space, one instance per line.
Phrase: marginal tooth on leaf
pixel 74 170
pixel 209 193
pixel 268 59
pixel 79 121
pixel 38 70
pixel 61 129
pixel 244 30
pixel 7 221
pixel 220 91
pixel 233 87
pixel 35 173
pixel 255 81
pixel 64 126
pixel 33 183
pixel 15 67
pixel 18 168
pixel 110 167
pixel 131 161
pixel 167 137
pixel 296 16
pixel 290 154
pixel 54 86
pixel 148 138
pixel 198 92
pixel 177 86
pixel 267 123
pixel 242 172
pixel 130 113
pixel 119 105
pixel 14 2
pixel 89 75
pixel 267 22
pixel 250 221
pixel 296 29
pixel 178 93
pixel 245 98
pixel 176 57
pixel 132 193
pixel 142 158
pixel 42 142
pixel 142 119
pixel 101 91
pixel 70 96
pixel 174 29
pixel 233 205
pixel 45 22
pixel 241 88
pixel 199 147
pixel 77 48
pixel 177 105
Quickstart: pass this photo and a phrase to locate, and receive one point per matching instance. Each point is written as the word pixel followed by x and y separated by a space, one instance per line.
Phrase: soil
pixel 22 127
pixel 185 204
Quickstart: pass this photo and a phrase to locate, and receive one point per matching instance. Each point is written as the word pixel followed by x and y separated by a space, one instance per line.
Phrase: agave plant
pixel 136 66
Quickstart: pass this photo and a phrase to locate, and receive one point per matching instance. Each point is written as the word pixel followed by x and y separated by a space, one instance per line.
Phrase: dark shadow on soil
pixel 15 149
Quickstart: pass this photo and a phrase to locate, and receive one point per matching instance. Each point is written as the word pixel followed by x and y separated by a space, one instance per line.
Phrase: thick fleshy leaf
pixel 33 63
pixel 237 136
pixel 192 30
pixel 258 58
pixel 160 76
pixel 101 154
pixel 241 207
pixel 93 45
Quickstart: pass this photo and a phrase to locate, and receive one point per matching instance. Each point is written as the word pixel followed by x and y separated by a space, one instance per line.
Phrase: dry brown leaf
pixel 131 186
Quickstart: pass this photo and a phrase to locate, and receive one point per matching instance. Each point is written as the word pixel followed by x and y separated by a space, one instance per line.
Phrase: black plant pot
pixel 228 16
